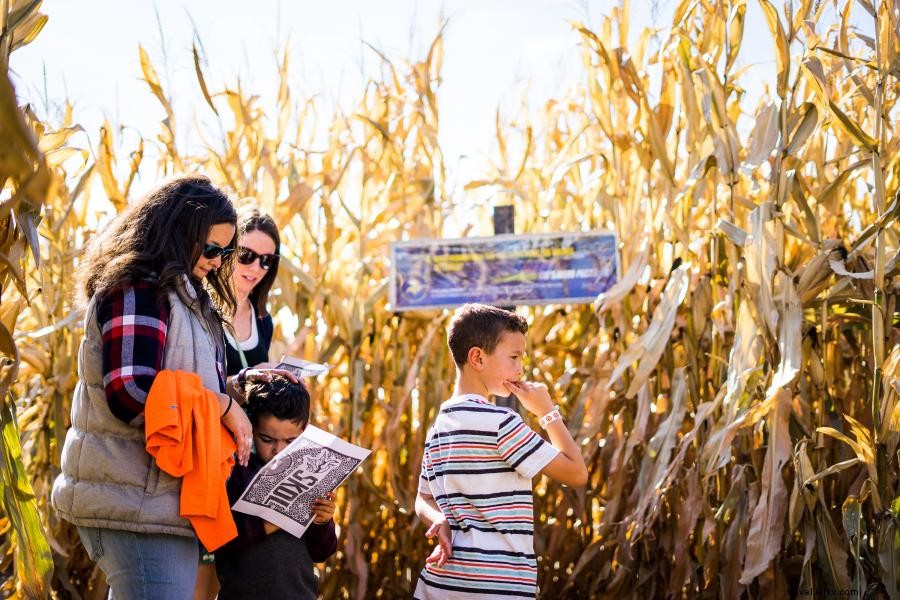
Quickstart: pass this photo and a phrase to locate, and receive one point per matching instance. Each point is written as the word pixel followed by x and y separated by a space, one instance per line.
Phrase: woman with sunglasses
pixel 155 282
pixel 250 334
pixel 255 270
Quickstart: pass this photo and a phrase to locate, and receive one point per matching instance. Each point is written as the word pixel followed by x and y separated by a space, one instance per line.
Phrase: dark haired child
pixel 249 336
pixel 475 488
pixel 265 561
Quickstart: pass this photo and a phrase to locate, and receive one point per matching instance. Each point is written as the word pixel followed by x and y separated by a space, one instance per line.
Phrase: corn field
pixel 736 394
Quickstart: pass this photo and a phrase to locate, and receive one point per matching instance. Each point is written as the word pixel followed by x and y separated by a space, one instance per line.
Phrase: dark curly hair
pixel 280 397
pixel 161 237
pixel 480 326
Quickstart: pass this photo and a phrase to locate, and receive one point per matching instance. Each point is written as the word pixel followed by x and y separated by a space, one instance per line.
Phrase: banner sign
pixel 553 268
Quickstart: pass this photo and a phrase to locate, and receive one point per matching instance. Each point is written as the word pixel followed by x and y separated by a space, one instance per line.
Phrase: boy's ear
pixel 475 358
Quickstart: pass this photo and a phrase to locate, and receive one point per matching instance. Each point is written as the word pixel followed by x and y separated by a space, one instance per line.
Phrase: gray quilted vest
pixel 108 479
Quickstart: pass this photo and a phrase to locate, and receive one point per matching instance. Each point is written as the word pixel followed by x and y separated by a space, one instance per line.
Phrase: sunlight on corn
pixel 737 392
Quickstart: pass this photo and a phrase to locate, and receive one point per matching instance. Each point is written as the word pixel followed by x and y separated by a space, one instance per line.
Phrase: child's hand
pixel 533 396
pixel 323 509
pixel 442 552
pixel 266 373
pixel 270 528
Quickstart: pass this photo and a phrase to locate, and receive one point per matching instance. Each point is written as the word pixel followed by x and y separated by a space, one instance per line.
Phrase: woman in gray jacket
pixel 156 282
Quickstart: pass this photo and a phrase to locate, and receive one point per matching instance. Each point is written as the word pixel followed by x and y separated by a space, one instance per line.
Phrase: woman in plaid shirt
pixel 157 281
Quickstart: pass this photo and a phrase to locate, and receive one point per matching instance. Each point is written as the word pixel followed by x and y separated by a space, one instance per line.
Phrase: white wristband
pixel 550 417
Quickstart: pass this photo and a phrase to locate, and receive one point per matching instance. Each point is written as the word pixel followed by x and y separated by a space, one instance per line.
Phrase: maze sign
pixel 510 269
pixel 311 466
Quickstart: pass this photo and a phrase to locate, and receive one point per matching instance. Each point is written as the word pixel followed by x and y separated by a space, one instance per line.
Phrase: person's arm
pixel 320 536
pixel 133 326
pixel 430 513
pixel 428 510
pixel 234 389
pixel 321 541
pixel 234 385
pixel 568 466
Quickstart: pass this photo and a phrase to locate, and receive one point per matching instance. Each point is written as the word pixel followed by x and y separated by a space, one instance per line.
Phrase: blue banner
pixel 564 268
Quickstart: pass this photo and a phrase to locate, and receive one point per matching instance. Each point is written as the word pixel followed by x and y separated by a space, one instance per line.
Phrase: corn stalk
pixel 741 438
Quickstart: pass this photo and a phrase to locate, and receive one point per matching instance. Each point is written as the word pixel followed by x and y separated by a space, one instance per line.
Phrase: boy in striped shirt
pixel 475 488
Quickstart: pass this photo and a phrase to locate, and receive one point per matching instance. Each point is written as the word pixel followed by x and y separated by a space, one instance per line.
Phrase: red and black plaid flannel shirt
pixel 133 322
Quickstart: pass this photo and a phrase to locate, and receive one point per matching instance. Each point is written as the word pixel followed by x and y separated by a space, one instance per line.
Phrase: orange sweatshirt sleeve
pixel 212 513
pixel 167 425
pixel 188 440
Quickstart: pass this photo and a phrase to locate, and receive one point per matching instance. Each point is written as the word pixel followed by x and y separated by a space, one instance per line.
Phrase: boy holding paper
pixel 264 561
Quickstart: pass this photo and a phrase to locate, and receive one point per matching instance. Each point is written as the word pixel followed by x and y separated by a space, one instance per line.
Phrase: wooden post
pixel 504 219
pixel 504 222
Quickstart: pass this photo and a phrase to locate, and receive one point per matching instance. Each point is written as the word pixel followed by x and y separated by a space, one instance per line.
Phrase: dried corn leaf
pixel 790 334
pixel 761 262
pixel 840 269
pixel 764 136
pixel 767 522
pixel 621 288
pixel 653 342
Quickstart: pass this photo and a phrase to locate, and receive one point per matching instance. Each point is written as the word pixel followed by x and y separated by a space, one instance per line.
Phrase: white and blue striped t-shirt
pixel 478 465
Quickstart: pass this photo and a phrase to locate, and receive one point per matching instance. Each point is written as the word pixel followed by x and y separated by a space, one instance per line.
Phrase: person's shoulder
pixel 139 296
pixel 478 414
pixel 139 286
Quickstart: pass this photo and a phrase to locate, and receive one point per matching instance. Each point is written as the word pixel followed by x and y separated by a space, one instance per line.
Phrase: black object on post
pixel 504 222
pixel 504 219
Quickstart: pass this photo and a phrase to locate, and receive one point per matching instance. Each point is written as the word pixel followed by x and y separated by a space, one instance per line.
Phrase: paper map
pixel 302 368
pixel 311 466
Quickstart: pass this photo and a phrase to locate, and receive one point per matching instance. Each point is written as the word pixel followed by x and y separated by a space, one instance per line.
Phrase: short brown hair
pixel 279 397
pixel 480 326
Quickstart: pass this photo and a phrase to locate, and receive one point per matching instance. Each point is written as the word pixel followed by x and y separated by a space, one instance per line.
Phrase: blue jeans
pixel 143 566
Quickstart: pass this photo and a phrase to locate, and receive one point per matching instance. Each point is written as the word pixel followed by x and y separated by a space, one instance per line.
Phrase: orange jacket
pixel 188 440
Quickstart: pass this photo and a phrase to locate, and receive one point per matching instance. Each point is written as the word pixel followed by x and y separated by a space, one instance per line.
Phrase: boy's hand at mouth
pixel 534 396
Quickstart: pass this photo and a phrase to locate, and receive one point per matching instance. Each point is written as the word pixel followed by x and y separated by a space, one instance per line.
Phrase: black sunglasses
pixel 210 251
pixel 246 256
